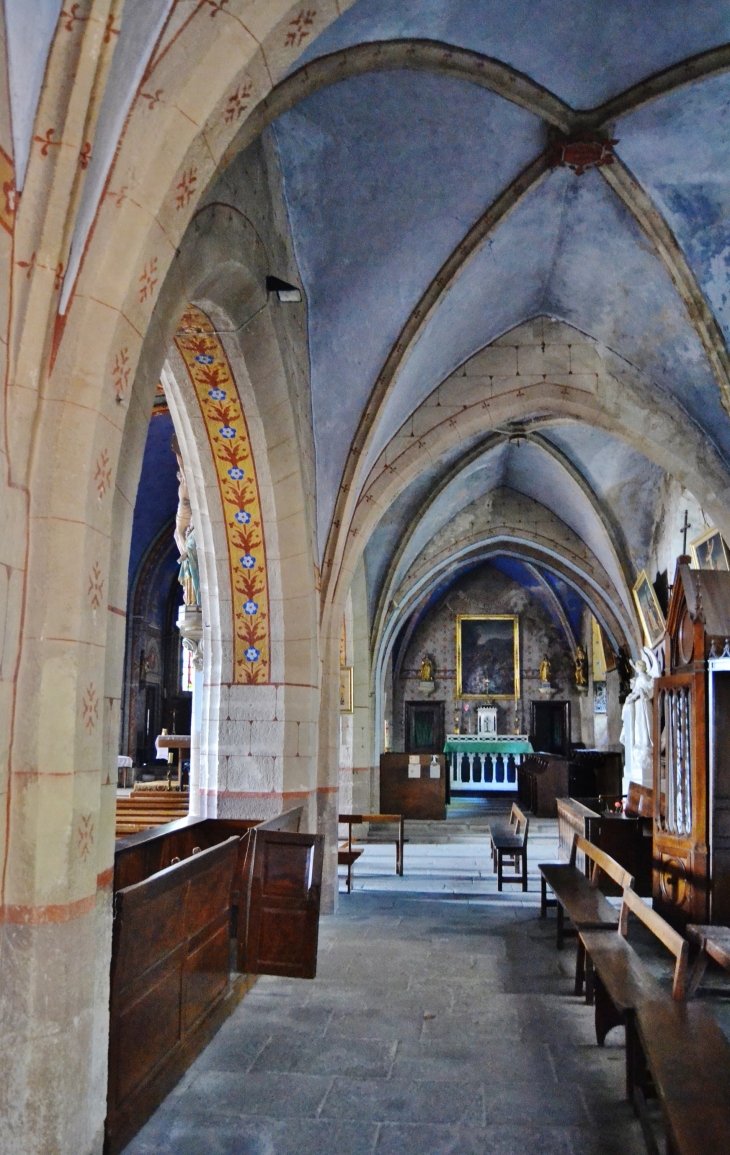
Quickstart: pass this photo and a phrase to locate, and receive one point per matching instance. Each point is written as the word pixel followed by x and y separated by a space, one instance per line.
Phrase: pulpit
pixel 691 842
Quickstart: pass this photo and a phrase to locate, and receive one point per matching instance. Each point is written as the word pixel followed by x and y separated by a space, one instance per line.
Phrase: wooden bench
pixel 509 840
pixel 681 1054
pixel 714 943
pixel 347 854
pixel 579 898
pixel 622 982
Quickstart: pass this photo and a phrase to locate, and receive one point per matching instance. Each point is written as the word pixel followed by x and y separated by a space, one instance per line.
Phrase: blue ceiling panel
pixel 570 250
pixel 383 176
pixel 582 51
pixel 679 150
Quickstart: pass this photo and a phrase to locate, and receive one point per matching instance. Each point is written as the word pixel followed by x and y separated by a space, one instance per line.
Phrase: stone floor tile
pixel 332 1055
pixel 249 1135
pixel 507 1139
pixel 271 1093
pixel 403 1100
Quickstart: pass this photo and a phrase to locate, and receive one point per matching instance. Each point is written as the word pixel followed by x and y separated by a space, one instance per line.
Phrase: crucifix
pixel 683 530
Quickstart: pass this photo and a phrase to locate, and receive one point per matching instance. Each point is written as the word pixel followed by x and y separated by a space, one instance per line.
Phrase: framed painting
pixel 709 551
pixel 487 656
pixel 650 612
pixel 346 702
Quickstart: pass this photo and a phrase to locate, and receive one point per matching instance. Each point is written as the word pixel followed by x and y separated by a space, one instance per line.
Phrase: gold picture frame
pixel 346 690
pixel 709 551
pixel 494 648
pixel 649 610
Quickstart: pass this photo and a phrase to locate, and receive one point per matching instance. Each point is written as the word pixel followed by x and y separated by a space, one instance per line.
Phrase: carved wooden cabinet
pixel 691 767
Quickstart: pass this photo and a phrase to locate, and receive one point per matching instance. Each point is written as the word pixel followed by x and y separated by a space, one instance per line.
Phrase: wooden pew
pixel 714 943
pixel 169 981
pixel 579 897
pixel 347 854
pixel 622 981
pixel 267 921
pixel 510 841
pixel 687 1056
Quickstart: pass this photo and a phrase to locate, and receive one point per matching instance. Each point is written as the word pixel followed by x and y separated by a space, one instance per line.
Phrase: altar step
pixel 463 808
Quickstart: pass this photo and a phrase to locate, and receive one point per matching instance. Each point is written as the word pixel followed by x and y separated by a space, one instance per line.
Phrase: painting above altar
pixel 487 656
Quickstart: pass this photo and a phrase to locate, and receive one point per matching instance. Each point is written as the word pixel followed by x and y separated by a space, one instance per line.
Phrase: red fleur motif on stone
pixel 216 5
pixel 299 27
pixel 148 279
pixel 186 187
pixel 46 141
pixel 118 196
pixel 85 835
pixel 120 372
pixel 110 30
pixel 238 102
pixel 103 473
pixel 29 265
pixel 85 155
pixel 96 587
pixel 152 98
pixel 90 708
pixel 58 276
pixel 72 17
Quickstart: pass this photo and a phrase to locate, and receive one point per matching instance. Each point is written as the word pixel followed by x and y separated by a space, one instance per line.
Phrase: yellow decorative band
pixel 215 387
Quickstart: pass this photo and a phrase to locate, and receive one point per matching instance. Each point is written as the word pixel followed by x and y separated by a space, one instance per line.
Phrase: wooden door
pixel 550 727
pixel 281 909
pixel 424 727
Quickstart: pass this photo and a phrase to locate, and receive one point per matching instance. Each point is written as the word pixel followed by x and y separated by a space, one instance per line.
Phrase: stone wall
pixel 486 591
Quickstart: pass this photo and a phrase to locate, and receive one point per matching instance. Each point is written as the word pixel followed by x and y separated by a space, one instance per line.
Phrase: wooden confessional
pixel 691 844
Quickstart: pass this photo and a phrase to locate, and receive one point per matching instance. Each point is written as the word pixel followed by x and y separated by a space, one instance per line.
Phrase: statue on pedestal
pixel 581 668
pixel 189 576
pixel 638 715
pixel 426 671
pixel 545 671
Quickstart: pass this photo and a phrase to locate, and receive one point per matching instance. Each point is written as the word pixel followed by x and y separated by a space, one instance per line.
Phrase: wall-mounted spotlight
pixel 283 290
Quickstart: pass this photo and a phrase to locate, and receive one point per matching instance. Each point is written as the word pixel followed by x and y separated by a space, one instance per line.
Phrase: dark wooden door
pixel 550 727
pixel 424 727
pixel 284 883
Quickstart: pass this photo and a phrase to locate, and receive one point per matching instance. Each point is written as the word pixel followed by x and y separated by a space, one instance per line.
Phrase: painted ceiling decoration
pixel 215 388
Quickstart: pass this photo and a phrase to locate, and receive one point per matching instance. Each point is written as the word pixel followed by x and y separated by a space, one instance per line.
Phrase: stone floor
pixel 441 1020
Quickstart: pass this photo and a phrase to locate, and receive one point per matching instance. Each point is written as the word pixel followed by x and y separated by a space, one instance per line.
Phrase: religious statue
pixel 581 668
pixel 545 671
pixel 189 576
pixel 184 514
pixel 637 715
pixel 427 670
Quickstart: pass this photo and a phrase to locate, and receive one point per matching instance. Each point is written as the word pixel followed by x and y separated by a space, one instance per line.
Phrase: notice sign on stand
pixel 435 768
pixel 414 766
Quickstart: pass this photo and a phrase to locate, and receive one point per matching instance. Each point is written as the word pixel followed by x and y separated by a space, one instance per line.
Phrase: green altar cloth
pixel 470 744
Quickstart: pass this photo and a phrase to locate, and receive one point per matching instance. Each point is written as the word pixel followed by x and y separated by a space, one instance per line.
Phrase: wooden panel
pixel 423 798
pixel 170 964
pixel 279 933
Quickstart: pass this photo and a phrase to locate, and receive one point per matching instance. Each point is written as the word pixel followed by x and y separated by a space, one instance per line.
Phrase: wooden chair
pixel 510 842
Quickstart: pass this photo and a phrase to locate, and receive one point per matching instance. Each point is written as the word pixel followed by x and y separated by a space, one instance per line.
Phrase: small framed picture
pixel 599 698
pixel 650 612
pixel 709 551
pixel 346 703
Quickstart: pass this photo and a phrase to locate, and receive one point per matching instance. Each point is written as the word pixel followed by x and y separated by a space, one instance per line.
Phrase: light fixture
pixel 283 290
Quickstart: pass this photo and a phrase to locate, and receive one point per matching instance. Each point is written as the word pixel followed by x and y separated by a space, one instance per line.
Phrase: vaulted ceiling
pixel 430 215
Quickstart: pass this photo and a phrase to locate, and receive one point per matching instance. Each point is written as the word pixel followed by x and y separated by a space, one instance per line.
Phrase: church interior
pixel 365 577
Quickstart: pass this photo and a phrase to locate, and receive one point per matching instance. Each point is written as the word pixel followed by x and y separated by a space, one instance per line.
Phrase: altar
pixel 479 763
